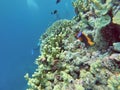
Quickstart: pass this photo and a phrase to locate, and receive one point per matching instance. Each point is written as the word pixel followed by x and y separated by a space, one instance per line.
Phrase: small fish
pixel 84 38
pixel 35 48
pixel 54 12
pixel 58 1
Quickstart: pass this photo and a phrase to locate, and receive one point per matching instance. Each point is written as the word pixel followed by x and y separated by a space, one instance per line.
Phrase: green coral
pixel 66 63
pixel 102 21
pixel 101 7
pixel 95 14
pixel 114 82
pixel 79 87
pixel 116 46
pixel 116 18
pixel 66 77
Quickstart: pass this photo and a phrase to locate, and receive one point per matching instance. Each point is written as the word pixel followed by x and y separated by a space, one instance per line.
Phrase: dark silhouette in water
pixel 54 12
pixel 58 1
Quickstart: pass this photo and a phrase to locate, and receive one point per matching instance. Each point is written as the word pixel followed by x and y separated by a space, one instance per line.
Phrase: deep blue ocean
pixel 21 24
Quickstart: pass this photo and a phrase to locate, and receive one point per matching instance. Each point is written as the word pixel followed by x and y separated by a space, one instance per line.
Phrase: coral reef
pixel 116 46
pixel 116 18
pixel 67 63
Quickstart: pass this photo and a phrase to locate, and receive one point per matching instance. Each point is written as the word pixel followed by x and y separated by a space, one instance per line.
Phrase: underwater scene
pixel 60 45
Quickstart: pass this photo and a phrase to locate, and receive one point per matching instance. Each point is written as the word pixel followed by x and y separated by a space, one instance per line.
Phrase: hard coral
pixel 66 63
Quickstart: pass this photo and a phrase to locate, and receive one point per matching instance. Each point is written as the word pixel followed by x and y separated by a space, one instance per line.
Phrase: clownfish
pixel 84 38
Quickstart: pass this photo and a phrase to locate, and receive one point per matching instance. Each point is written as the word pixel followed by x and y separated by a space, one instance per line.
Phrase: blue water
pixel 21 24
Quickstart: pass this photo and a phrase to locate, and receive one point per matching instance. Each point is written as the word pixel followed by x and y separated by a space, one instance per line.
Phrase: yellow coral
pixel 116 18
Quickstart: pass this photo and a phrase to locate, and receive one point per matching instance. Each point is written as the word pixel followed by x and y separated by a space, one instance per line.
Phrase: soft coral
pixel 111 33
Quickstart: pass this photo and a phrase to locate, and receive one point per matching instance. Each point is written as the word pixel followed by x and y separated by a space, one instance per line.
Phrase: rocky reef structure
pixel 68 63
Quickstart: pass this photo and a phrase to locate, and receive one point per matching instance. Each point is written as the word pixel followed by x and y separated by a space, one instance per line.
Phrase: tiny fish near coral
pixel 84 38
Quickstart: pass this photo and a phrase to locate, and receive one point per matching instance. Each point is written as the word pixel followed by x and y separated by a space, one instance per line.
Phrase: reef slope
pixel 68 62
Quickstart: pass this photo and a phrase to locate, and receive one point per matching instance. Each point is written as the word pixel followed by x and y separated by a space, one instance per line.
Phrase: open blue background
pixel 20 29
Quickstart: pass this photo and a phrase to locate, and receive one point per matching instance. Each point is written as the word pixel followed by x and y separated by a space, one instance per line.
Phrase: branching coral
pixel 66 63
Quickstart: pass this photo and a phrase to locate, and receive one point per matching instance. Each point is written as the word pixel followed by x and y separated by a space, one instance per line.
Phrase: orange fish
pixel 84 38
